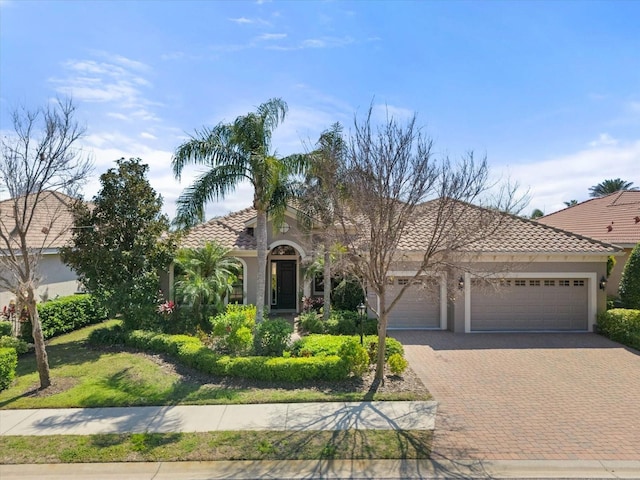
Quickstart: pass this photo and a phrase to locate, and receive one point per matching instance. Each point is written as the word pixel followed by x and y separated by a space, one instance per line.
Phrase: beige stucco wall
pixel 616 274
pixel 58 280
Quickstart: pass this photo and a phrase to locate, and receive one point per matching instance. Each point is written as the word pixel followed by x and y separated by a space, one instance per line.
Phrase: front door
pixel 284 290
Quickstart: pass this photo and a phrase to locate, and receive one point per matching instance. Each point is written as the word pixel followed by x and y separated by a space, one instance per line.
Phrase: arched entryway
pixel 283 277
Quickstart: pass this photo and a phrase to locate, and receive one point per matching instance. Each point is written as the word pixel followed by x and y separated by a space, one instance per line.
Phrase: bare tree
pixel 40 162
pixel 392 191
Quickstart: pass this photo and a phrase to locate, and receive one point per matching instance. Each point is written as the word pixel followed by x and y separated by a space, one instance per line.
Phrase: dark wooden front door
pixel 286 285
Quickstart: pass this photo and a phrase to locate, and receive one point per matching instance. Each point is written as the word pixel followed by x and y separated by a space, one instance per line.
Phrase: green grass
pixel 145 447
pixel 85 377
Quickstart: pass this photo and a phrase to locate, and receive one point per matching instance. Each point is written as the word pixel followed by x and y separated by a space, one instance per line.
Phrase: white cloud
pixel 557 180
pixel 272 36
pixel 148 136
pixel 242 20
pixel 604 139
pixel 116 80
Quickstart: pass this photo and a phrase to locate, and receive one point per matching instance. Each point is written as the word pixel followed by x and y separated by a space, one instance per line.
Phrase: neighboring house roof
pixel 51 224
pixel 516 235
pixel 614 218
pixel 229 231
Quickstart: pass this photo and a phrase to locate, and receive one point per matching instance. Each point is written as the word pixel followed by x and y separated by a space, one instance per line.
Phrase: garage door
pixel 530 304
pixel 419 306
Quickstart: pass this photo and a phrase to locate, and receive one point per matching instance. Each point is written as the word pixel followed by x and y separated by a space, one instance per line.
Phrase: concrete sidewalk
pixel 207 418
pixel 326 469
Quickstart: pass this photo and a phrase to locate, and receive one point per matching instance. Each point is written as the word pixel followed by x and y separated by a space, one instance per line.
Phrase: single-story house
pixel 50 230
pixel 613 219
pixel 532 277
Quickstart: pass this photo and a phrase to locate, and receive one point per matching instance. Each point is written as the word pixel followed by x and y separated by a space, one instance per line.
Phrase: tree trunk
pixel 327 281
pixel 42 360
pixel 382 338
pixel 261 239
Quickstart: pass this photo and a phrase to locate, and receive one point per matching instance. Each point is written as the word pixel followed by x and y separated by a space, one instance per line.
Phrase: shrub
pixel 392 346
pixel 64 315
pixel 5 328
pixel 355 356
pixel 397 364
pixel 317 345
pixel 8 364
pixel 18 344
pixel 621 325
pixel 347 295
pixel 342 322
pixel 232 330
pixel 272 337
pixel 311 323
pixel 113 335
pixel 629 289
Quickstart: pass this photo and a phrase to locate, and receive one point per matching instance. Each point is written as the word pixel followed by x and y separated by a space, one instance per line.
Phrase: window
pixel 578 283
pixel 403 281
pixel 283 250
pixel 274 283
pixel 534 283
pixel 318 284
pixel 505 283
pixel 521 283
pixel 549 283
pixel 564 283
pixel 237 290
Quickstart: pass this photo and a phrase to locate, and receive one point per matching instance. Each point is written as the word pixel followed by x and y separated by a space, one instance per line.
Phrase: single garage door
pixel 530 304
pixel 419 306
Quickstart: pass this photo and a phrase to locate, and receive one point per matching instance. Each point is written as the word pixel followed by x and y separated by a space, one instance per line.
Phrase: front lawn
pixel 87 377
pixel 209 446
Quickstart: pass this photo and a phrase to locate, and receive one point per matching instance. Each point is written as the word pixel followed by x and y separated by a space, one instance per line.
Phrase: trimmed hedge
pixel 5 328
pixel 317 345
pixel 8 364
pixel 192 352
pixel 341 322
pixel 64 315
pixel 621 325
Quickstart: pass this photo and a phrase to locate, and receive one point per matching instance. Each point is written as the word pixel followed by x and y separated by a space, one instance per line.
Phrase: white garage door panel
pixel 419 307
pixel 555 306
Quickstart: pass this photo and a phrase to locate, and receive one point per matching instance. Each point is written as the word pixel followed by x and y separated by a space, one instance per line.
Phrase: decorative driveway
pixel 529 396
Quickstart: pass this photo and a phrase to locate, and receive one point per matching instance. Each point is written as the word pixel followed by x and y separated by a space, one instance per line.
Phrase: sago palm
pixel 206 277
pixel 233 153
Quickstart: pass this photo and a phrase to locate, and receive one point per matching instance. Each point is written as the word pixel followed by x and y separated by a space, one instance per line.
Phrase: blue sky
pixel 549 91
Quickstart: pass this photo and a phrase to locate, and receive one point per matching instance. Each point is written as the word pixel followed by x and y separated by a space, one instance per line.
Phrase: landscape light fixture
pixel 461 282
pixel 362 311
pixel 603 283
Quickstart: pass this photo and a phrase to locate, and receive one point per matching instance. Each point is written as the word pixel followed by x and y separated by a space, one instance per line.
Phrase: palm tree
pixel 206 278
pixel 607 187
pixel 571 203
pixel 233 153
pixel 316 199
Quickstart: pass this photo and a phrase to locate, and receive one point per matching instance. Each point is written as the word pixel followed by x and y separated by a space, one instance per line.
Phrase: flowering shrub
pixel 166 308
pixel 312 304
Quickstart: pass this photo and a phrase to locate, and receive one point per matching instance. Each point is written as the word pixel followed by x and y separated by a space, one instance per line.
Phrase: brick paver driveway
pixel 529 396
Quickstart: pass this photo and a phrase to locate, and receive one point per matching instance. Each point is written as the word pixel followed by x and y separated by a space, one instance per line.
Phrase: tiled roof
pixel 516 235
pixel 229 231
pixel 613 219
pixel 51 225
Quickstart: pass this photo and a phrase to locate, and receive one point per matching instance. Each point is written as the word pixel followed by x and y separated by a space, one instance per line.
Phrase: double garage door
pixel 530 304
